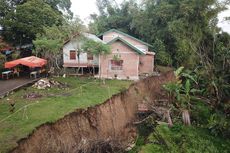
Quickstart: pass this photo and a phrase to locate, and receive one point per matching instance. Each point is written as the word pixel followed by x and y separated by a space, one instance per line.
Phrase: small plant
pixel 116 57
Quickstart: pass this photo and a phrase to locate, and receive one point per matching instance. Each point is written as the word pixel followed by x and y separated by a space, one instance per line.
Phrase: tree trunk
pixel 99 66
pixel 168 118
pixel 186 117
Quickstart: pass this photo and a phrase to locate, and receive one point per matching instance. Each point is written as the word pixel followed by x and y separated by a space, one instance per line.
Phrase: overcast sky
pixel 83 8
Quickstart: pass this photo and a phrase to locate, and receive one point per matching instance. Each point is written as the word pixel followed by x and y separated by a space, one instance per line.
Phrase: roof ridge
pixel 84 34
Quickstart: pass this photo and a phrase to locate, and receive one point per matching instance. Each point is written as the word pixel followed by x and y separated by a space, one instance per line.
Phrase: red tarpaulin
pixel 31 62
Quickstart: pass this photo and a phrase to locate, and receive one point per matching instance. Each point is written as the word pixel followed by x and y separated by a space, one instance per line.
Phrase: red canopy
pixel 31 61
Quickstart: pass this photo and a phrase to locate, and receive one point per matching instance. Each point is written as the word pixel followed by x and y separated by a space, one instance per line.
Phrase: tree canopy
pixel 23 19
pixel 96 48
pixel 49 43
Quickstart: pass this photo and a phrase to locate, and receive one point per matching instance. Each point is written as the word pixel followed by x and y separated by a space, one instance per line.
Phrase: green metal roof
pixel 122 33
pixel 128 44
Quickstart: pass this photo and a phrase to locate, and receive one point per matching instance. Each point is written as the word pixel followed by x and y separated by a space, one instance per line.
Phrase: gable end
pixel 128 44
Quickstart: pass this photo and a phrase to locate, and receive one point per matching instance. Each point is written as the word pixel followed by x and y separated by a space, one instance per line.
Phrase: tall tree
pixel 180 25
pixel 49 43
pixel 113 16
pixel 60 5
pixel 23 19
pixel 96 48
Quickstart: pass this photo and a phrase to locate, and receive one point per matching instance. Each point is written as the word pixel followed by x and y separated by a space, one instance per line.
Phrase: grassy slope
pixel 50 107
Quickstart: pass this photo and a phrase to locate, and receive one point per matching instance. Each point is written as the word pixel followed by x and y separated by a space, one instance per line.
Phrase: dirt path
pixel 107 127
pixel 13 84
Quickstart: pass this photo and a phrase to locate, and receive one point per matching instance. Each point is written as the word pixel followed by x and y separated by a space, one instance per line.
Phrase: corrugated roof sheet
pixel 93 37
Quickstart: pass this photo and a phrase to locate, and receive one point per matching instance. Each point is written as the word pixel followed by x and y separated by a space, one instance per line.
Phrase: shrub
pixel 184 139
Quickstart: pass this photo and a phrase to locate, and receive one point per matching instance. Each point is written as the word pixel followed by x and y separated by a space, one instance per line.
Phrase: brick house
pixel 129 58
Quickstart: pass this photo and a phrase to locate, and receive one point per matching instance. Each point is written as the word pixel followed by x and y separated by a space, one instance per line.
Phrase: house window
pixel 72 55
pixel 116 64
pixel 90 56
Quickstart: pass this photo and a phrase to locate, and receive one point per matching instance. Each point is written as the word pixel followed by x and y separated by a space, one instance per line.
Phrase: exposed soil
pixel 107 127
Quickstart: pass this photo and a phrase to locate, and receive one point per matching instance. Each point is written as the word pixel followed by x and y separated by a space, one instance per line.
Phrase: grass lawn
pixel 55 103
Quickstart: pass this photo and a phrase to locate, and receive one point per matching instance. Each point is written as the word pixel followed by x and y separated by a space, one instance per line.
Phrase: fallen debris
pixel 46 83
pixel 145 75
pixel 42 84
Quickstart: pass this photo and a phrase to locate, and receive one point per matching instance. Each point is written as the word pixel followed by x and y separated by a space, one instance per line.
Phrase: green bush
pixel 163 58
pixel 200 112
pixel 219 124
pixel 184 139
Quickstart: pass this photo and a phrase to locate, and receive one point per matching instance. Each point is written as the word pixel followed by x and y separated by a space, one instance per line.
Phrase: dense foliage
pixel 21 20
pixel 184 139
pixel 49 43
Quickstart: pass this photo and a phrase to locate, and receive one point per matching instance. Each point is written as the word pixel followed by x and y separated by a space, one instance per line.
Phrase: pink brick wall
pixel 130 62
pixel 146 64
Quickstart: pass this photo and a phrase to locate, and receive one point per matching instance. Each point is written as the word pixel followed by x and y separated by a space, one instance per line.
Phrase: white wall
pixel 73 45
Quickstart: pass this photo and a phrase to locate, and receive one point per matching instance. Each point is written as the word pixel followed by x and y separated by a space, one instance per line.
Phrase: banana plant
pixel 180 92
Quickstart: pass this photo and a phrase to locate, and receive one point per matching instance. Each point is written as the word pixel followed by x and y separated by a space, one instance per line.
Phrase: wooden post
pixel 93 70
pixel 65 70
pixel 99 66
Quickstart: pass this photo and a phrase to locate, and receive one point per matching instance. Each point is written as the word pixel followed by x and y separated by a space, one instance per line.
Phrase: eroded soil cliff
pixel 104 128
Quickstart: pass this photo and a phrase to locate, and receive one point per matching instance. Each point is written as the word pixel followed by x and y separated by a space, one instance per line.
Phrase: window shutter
pixel 72 55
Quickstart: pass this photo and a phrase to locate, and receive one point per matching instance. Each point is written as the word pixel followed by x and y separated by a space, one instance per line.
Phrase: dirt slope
pixel 104 128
